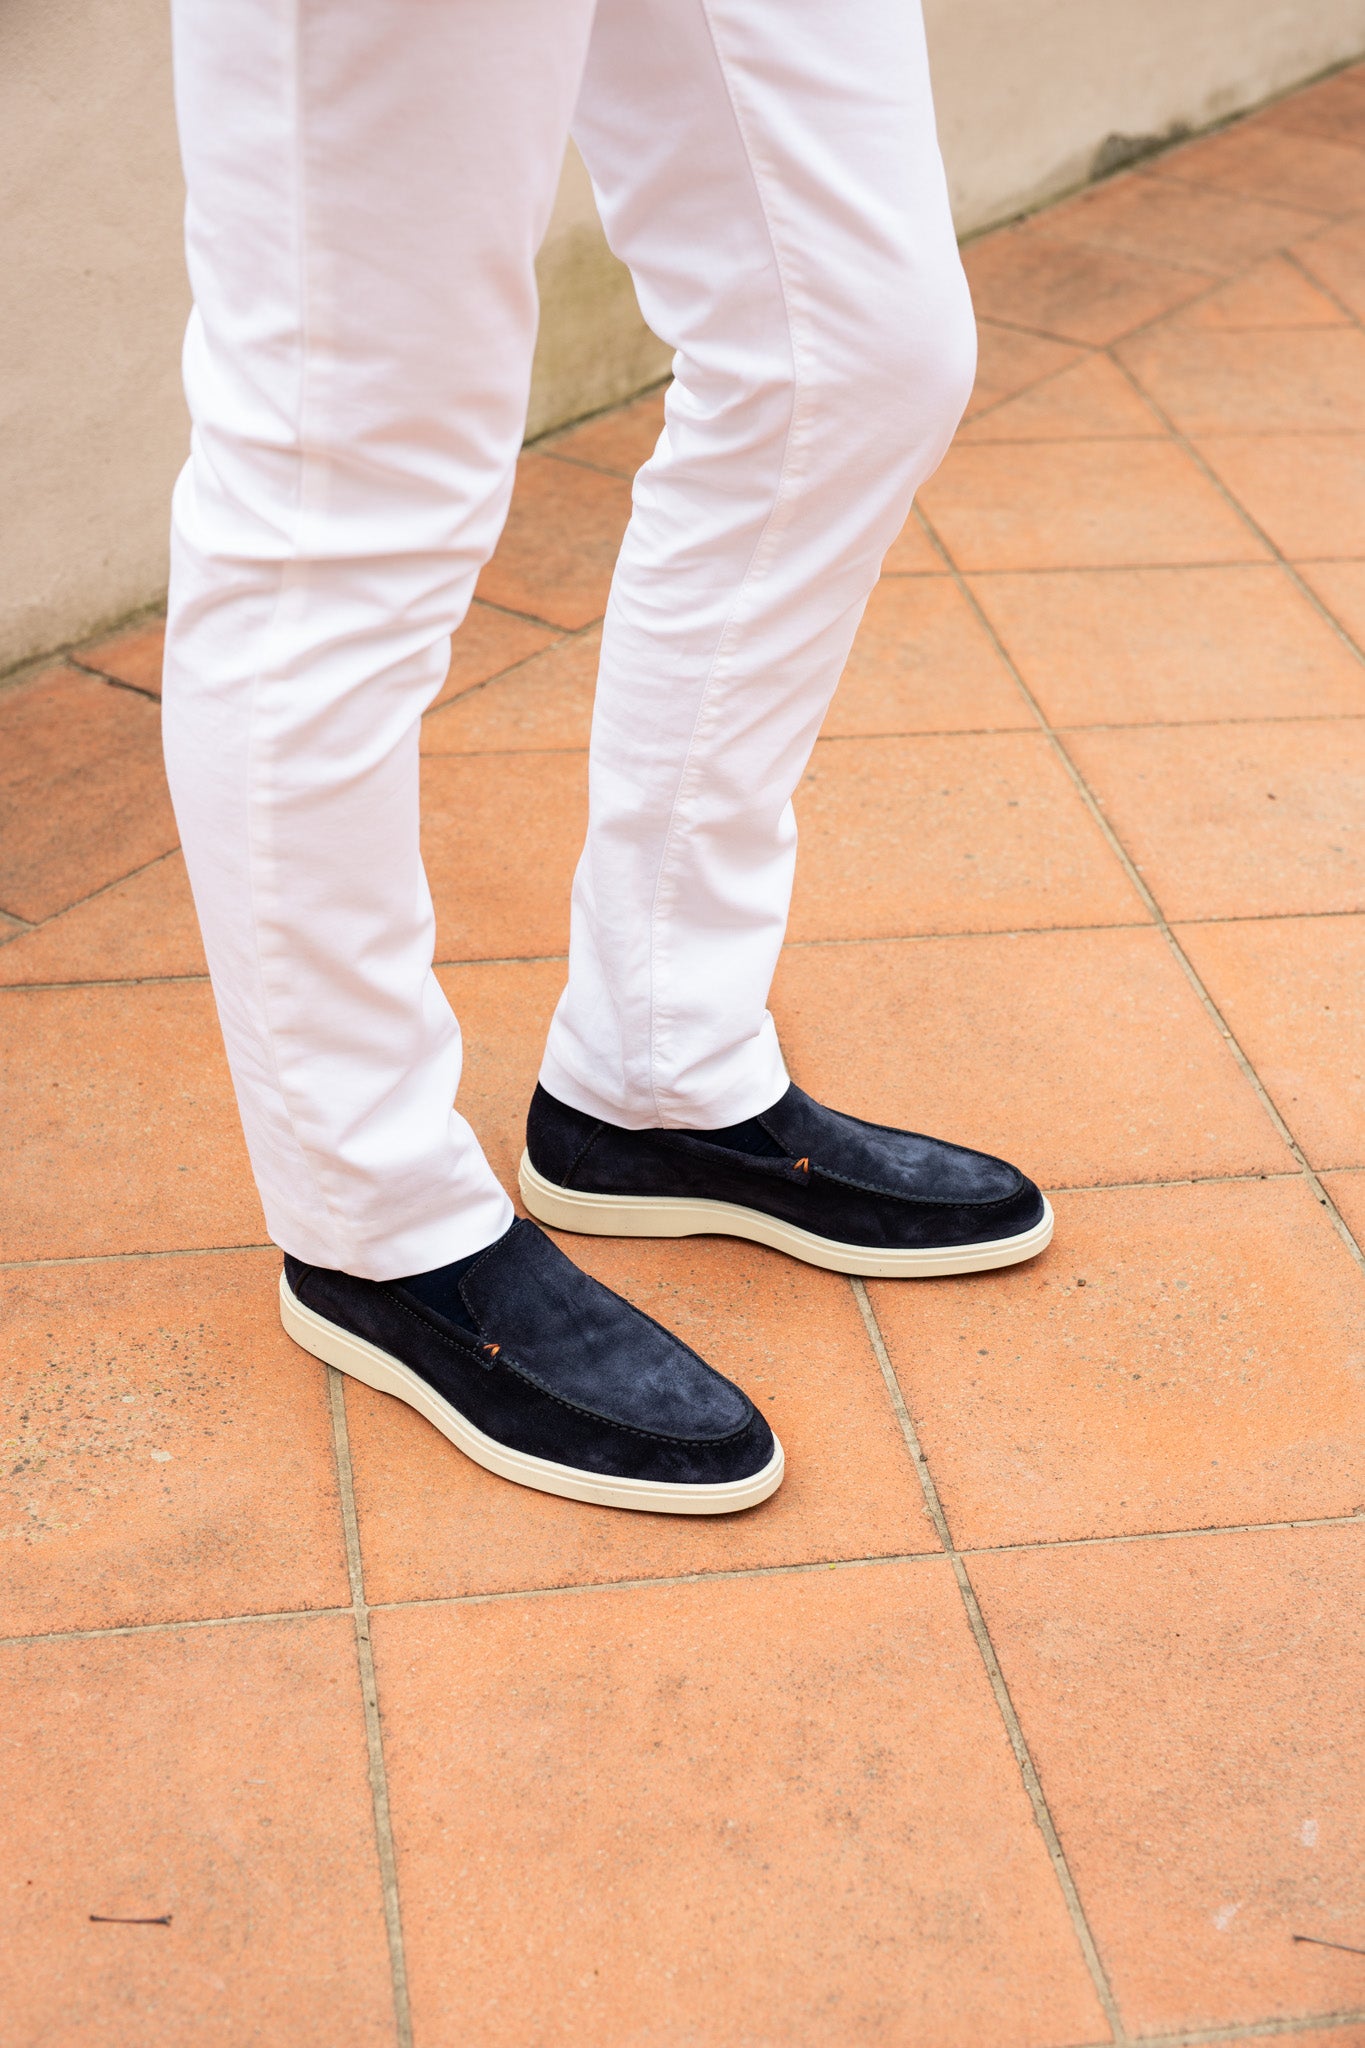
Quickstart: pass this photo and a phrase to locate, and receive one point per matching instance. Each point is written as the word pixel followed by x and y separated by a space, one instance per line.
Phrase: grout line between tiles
pixel 31 988
pixel 1162 1535
pixel 102 675
pixel 1189 1180
pixel 374 1739
pixel 928 732
pixel 1030 931
pixel 575 1589
pixel 175 1251
pixel 165 1628
pixel 1145 568
pixel 993 405
pixel 1254 2030
pixel 1326 217
pixel 566 635
pixel 1097 1187
pixel 1042 1813
pixel 1296 263
pixel 105 888
pixel 1183 441
pixel 622 476
pixel 1139 883
pixel 540 445
pixel 534 619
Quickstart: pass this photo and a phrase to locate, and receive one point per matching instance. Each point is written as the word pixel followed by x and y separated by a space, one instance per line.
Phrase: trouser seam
pixel 722 646
pixel 258 854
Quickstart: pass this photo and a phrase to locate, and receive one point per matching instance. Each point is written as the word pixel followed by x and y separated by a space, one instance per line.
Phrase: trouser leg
pixel 770 172
pixel 367 188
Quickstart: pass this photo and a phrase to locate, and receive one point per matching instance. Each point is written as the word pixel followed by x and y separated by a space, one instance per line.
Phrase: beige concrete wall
pixel 92 305
pixel 1035 96
pixel 593 347
pixel 92 427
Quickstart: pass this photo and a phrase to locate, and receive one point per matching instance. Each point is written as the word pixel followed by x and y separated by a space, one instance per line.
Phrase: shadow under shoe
pixel 546 1378
pixel 830 1189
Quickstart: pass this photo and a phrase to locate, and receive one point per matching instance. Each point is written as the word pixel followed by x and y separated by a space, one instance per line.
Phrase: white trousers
pixel 368 184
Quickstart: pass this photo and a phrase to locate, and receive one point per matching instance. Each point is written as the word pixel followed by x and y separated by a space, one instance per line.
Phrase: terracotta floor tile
pixel 1306 491
pixel 1302 380
pixel 560 543
pixel 912 553
pixel 501 835
pixel 1069 290
pixel 1253 820
pixel 1261 161
pixel 1181 1357
pixel 1293 992
pixel 1336 259
pixel 1348 1192
pixel 1143 215
pixel 1335 109
pixel 168 1451
pixel 1085 1056
pixel 487 643
pixel 140 927
pixel 1165 646
pixel 923 662
pixel 1331 2037
pixel 433 1524
pixel 620 440
pixel 1008 360
pixel 1341 586
pixel 545 703
pixel 215 1774
pixel 1093 400
pixel 82 790
pixel 1272 294
pixel 948 832
pixel 636 1776
pixel 122 1131
pixel 1082 505
pixel 1192 1707
pixel 132 656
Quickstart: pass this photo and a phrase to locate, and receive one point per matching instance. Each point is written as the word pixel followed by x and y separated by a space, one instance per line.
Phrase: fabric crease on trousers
pixel 367 190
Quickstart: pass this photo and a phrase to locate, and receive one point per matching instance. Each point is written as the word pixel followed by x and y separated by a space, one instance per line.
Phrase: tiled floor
pixel 1071 1752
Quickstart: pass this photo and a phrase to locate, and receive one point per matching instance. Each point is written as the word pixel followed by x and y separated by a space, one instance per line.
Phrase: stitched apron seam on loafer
pixel 921 1201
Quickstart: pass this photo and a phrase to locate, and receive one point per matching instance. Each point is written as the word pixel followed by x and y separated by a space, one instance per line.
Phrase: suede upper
pixel 559 1367
pixel 834 1175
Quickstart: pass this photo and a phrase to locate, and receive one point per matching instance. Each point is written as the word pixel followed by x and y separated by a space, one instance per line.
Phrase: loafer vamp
pixel 556 1327
pixel 887 1161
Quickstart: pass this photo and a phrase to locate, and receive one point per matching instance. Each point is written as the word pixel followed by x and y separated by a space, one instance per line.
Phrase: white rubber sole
pixel 388 1375
pixel 665 1216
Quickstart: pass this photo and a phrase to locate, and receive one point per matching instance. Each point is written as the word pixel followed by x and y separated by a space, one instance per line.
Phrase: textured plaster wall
pixel 1035 96
pixel 1031 94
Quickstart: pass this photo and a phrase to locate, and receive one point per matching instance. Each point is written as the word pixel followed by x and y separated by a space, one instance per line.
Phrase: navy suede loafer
pixel 828 1188
pixel 545 1377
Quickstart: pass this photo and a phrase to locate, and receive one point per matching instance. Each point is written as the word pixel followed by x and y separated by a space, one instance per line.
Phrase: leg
pixel 771 174
pixel 367 189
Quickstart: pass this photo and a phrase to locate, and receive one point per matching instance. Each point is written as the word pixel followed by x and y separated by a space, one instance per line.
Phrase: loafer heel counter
pixel 557 1136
